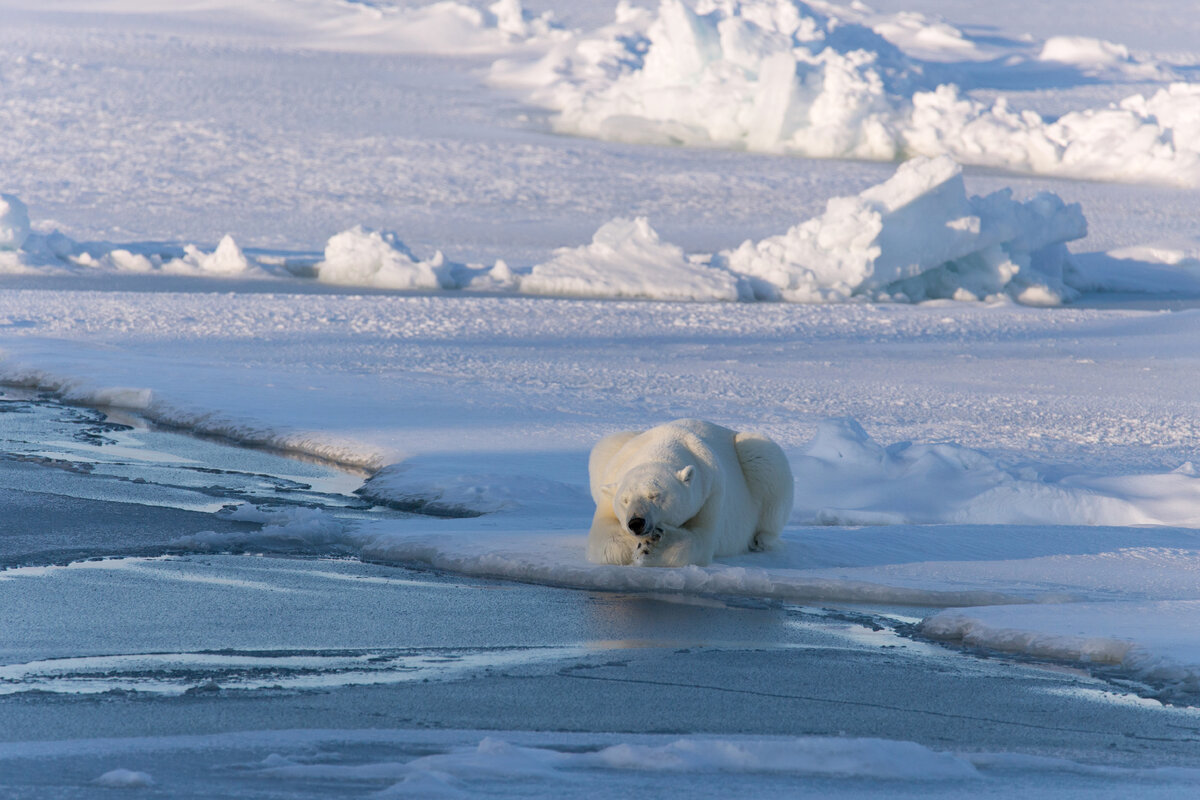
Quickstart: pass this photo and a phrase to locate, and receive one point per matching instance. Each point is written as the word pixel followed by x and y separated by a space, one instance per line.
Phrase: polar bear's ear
pixel 685 474
pixel 609 488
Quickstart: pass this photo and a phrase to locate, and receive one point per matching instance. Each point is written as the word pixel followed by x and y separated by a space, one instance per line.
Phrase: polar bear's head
pixel 650 496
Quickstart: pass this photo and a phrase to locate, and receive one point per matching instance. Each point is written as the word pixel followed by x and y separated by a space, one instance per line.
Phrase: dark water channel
pixel 79 482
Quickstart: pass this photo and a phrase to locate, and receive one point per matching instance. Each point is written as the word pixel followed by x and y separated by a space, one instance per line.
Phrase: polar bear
pixel 684 493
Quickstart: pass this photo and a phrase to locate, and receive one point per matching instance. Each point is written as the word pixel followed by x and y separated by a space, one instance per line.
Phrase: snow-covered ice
pixel 501 449
pixel 780 76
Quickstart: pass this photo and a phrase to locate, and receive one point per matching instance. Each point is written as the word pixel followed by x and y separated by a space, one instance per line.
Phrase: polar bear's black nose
pixel 637 525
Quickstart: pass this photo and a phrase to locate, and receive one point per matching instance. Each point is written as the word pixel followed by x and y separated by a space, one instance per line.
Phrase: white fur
pixel 704 491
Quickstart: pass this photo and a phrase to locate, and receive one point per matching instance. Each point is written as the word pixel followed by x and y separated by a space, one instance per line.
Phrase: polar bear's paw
pixel 646 546
pixel 666 547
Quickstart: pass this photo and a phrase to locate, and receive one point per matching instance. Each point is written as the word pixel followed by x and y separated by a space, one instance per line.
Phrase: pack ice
pixel 778 76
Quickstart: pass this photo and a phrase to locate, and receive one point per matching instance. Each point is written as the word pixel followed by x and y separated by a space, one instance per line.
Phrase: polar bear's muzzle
pixel 642 526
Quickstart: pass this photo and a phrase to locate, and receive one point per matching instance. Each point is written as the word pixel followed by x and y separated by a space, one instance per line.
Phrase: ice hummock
pixel 779 76
pixel 918 236
pixel 359 257
pixel 56 253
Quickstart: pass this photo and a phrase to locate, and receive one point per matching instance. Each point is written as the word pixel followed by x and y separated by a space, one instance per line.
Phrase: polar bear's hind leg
pixel 769 478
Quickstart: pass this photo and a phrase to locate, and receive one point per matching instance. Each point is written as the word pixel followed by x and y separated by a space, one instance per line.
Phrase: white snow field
pixel 948 255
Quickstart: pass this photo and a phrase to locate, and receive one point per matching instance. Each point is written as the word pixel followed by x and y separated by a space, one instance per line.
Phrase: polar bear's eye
pixel 652 496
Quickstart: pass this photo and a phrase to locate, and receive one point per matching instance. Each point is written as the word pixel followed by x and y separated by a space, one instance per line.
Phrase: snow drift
pixel 778 76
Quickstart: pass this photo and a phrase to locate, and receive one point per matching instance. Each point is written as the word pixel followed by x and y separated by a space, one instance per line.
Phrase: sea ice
pixel 778 76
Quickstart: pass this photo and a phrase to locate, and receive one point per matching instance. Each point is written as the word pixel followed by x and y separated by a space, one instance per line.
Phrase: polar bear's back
pixel 705 444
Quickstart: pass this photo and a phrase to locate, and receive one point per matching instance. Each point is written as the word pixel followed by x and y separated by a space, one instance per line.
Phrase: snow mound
pixel 777 76
pixel 56 253
pixel 1179 253
pixel 14 223
pixel 627 259
pixel 845 477
pixel 359 257
pixel 873 758
pixel 927 38
pixel 1151 641
pixel 1100 58
pixel 124 779
pixel 461 768
pixel 226 260
pixel 1149 139
pixel 917 236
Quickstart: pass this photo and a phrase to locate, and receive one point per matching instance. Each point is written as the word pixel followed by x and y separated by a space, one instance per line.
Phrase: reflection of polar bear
pixel 684 493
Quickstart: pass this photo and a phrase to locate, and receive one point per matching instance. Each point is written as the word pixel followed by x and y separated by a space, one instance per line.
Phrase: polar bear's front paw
pixel 646 545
